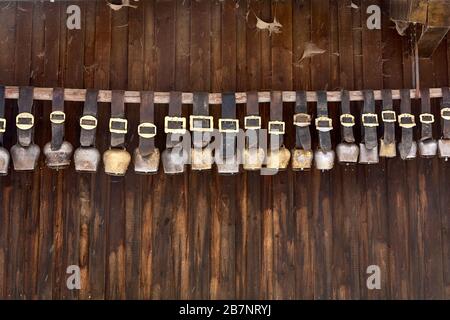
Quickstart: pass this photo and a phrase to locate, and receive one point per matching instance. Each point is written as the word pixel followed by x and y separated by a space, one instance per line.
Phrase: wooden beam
pixel 438 13
pixel 409 10
pixel 133 97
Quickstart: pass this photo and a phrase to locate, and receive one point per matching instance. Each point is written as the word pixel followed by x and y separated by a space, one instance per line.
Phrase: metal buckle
pixel 426 118
pixel 57 117
pixel 445 113
pixel 366 117
pixel 209 128
pixel 250 126
pixel 88 122
pixel 276 127
pixel 324 124
pixel 2 125
pixel 121 121
pixel 388 116
pixel 302 119
pixel 25 121
pixel 181 121
pixel 224 123
pixel 347 120
pixel 147 130
pixel 407 125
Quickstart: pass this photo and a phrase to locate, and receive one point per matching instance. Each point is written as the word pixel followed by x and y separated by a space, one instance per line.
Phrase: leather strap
pixel 347 132
pixel 118 111
pixel 147 145
pixel 253 110
pixel 58 128
pixel 389 127
pixel 229 112
pixel 25 137
pixel 2 113
pixel 276 114
pixel 87 137
pixel 370 133
pixel 175 110
pixel 303 134
pixel 407 133
pixel 201 108
pixel 445 123
pixel 322 111
pixel 427 128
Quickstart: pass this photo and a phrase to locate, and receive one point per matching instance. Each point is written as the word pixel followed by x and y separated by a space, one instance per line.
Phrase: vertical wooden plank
pixel 282 183
pixel 199 201
pixel 444 204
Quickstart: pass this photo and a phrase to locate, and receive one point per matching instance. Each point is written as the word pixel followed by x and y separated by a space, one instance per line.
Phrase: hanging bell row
pixel 230 155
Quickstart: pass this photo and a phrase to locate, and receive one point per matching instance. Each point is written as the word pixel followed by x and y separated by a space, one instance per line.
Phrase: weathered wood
pixel 430 39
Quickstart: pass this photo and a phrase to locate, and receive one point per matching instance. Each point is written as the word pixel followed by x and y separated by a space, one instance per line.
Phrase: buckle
pixel 194 120
pixel 88 122
pixel 252 122
pixel 406 120
pixel 2 125
pixel 324 124
pixel 25 121
pixel 57 117
pixel 445 113
pixel 426 118
pixel 302 119
pixel 175 125
pixel 147 130
pixel 388 116
pixel 347 120
pixel 370 120
pixel 229 125
pixel 118 125
pixel 276 127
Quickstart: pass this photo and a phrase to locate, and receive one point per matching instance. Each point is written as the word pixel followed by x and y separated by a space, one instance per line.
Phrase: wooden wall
pixel 199 235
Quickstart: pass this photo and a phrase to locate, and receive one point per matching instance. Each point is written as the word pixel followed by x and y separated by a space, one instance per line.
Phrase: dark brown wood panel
pixel 297 235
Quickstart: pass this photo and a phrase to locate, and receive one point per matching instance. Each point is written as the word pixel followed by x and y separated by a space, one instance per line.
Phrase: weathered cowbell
pixel 347 153
pixel 201 159
pixel 324 160
pixel 412 152
pixel 25 158
pixel 428 148
pixel 148 164
pixel 302 159
pixel 86 159
pixel 4 161
pixel 116 161
pixel 58 159
pixel 253 158
pixel 444 149
pixel 368 156
pixel 228 166
pixel 278 159
pixel 388 150
pixel 174 160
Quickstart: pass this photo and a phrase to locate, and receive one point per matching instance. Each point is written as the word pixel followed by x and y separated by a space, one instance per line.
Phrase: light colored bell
pixel 302 159
pixel 253 159
pixel 428 148
pixel 412 152
pixel 201 159
pixel 116 161
pixel 388 150
pixel 368 156
pixel 4 161
pixel 148 164
pixel 174 160
pixel 444 149
pixel 86 159
pixel 228 166
pixel 347 153
pixel 58 159
pixel 324 160
pixel 278 159
pixel 25 158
